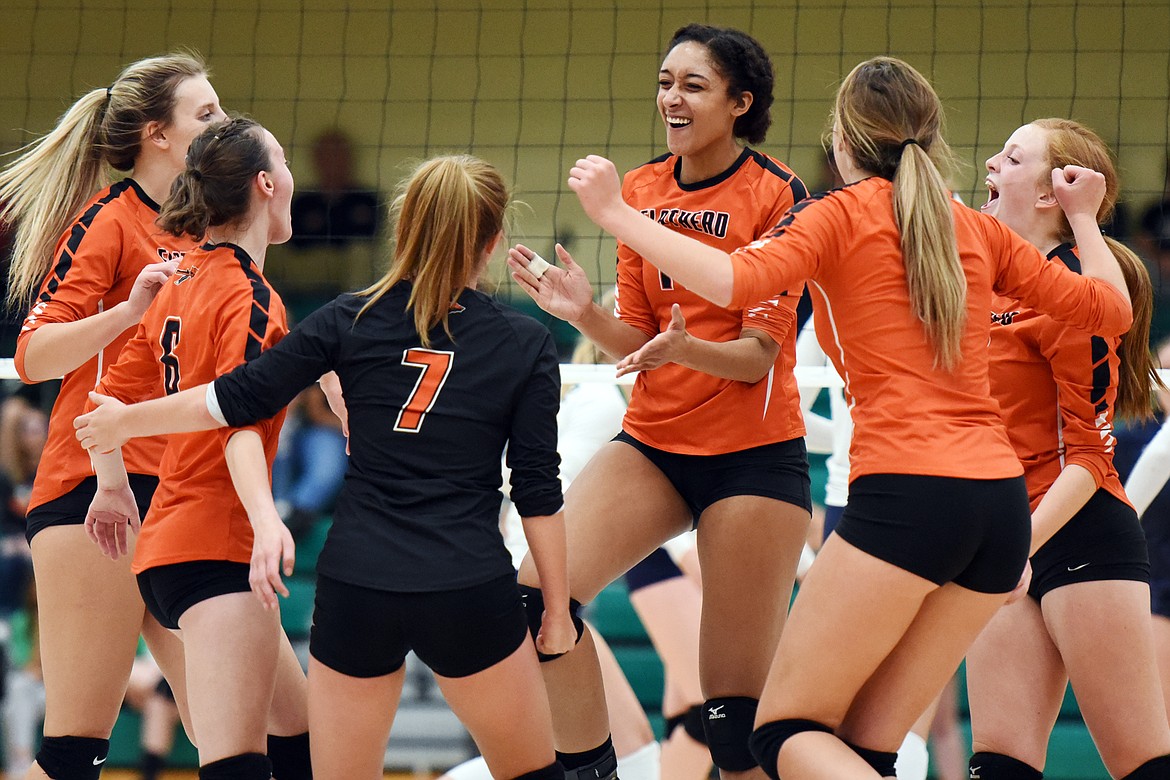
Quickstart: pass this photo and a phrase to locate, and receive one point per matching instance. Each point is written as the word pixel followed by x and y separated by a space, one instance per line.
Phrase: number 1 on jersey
pixel 435 365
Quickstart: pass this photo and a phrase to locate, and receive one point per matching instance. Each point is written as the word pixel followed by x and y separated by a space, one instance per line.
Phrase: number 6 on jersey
pixel 435 365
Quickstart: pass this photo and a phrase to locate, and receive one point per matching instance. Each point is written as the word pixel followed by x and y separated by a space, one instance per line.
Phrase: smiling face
pixel 1018 177
pixel 694 104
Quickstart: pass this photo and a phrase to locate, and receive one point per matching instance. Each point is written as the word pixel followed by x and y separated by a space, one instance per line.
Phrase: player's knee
pixel 551 772
pixel 997 766
pixel 246 766
pixel 882 761
pixel 692 723
pixel 534 610
pixel 1154 769
pixel 73 758
pixel 727 723
pixel 290 757
pixel 766 741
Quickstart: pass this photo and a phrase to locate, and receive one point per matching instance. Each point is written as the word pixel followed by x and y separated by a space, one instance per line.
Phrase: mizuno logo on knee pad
pixel 714 712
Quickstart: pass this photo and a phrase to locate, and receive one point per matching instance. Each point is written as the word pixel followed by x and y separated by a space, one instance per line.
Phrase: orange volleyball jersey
pixel 217 312
pixel 678 409
pixel 97 261
pixel 1056 388
pixel 911 417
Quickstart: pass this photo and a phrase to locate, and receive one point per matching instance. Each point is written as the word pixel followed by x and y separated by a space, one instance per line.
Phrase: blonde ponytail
pixel 47 184
pixel 890 120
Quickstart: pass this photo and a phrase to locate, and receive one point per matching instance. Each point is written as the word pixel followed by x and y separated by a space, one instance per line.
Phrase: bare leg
pixel 1162 650
pixel 1015 682
pixel 506 710
pixel 627 720
pixel 867 647
pixel 231 644
pixel 748 550
pixel 608 532
pixel 1116 681
pixel 89 613
pixel 350 720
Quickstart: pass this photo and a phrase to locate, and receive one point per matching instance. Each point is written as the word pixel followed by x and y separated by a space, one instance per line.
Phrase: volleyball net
pixel 357 90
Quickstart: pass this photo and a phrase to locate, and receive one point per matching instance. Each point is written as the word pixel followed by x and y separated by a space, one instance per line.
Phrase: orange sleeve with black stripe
pixel 1023 273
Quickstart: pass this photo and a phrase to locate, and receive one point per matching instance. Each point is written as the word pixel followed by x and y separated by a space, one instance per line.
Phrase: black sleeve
pixel 260 388
pixel 532 444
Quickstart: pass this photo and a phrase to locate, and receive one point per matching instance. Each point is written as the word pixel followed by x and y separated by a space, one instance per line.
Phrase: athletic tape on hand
pixel 537 265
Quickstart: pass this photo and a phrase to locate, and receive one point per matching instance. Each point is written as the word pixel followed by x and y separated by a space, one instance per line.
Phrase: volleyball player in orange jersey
pixel 936 532
pixel 1059 388
pixel 194 553
pixel 87 260
pixel 712 435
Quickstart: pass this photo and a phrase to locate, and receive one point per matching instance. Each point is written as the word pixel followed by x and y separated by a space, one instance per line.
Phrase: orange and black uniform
pixel 97 261
pixel 216 312
pixel 677 413
pixel 912 418
pixel 1057 387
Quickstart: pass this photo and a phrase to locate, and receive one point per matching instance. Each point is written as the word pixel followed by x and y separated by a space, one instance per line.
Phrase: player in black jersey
pixel 437 379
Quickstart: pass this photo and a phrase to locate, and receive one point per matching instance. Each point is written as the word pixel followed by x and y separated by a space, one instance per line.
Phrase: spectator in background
pixel 310 462
pixel 338 210
pixel 1153 241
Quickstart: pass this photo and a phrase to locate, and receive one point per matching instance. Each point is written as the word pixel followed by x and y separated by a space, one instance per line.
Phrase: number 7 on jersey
pixel 436 365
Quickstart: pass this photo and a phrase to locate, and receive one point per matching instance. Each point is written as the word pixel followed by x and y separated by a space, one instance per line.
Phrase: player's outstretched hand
pixel 150 280
pixel 557 633
pixel 101 429
pixel 273 551
pixel 110 513
pixel 596 182
pixel 667 347
pixel 1078 190
pixel 563 292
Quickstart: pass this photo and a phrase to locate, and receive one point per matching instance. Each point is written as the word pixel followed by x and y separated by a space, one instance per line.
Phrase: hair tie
pixel 909 141
pixel 195 174
pixel 109 92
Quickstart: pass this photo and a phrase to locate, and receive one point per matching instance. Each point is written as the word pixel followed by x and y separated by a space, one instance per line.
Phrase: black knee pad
pixel 551 772
pixel 290 757
pixel 600 763
pixel 692 722
pixel 73 758
pixel 882 761
pixel 1154 769
pixel 997 766
pixel 728 724
pixel 766 741
pixel 534 609
pixel 246 766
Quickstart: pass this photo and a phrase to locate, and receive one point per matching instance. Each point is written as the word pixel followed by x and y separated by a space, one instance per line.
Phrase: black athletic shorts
pixel 70 508
pixel 973 532
pixel 832 519
pixel 1103 541
pixel 363 632
pixel 778 471
pixel 171 590
pixel 1160 597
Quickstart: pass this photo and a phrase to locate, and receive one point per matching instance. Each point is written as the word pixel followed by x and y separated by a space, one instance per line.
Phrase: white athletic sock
pixel 643 764
pixel 475 769
pixel 913 759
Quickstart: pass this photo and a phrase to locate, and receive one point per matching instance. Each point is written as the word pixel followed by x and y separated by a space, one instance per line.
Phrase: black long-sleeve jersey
pixel 419 510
